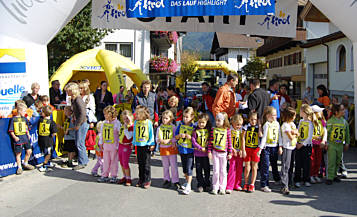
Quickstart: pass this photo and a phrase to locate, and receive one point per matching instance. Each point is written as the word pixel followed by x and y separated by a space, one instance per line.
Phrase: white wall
pixel 319 29
pixel 232 57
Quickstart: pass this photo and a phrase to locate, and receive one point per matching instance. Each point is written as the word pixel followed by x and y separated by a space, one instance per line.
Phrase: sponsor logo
pixel 273 20
pixel 113 12
pixel 252 4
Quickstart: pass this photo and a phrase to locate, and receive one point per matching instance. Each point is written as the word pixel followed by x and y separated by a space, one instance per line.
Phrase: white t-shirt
pixel 264 142
pixel 286 142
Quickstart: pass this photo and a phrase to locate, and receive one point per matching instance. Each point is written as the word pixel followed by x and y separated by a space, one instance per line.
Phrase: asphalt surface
pixel 63 192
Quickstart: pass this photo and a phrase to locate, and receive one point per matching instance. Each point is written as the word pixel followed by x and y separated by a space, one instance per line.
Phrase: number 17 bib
pixel 219 139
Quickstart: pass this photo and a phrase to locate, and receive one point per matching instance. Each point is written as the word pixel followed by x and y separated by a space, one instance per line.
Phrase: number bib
pixel 121 134
pixel 166 132
pixel 202 137
pixel 252 138
pixel 219 139
pixel 318 131
pixel 304 131
pixel 142 131
pixel 65 126
pixel 273 134
pixel 20 127
pixel 294 141
pixel 236 139
pixel 338 133
pixel 44 128
pixel 108 133
pixel 183 142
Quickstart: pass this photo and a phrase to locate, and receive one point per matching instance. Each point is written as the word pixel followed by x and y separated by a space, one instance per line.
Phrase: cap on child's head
pixel 317 108
pixel 220 116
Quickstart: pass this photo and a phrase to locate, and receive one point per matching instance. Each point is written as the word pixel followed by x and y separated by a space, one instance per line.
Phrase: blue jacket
pixel 275 102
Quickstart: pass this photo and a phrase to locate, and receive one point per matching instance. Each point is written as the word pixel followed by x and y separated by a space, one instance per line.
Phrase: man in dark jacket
pixel 55 93
pixel 258 99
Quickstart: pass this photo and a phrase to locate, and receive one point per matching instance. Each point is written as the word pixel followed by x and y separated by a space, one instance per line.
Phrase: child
pixel 183 136
pixel 98 152
pixel 250 140
pixel 47 130
pixel 109 140
pixel 289 138
pixel 338 139
pixel 236 163
pixel 143 139
pixel 199 139
pixel 269 146
pixel 318 143
pixel 173 103
pixel 125 145
pixel 219 144
pixel 19 132
pixel 45 100
pixel 69 136
pixel 166 141
pixel 303 146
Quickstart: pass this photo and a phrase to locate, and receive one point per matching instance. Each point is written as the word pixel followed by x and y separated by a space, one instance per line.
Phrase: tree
pixel 254 68
pixel 77 36
pixel 188 67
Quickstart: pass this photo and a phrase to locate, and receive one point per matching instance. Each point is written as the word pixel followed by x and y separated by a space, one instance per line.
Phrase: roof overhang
pixel 311 13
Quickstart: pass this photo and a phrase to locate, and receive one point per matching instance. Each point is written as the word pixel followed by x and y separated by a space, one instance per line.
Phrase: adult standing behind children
pixel 258 99
pixel 103 98
pixel 274 97
pixel 225 100
pixel 32 97
pixel 80 123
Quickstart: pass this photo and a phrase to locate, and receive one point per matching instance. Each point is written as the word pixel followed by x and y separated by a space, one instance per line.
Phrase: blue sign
pixel 172 8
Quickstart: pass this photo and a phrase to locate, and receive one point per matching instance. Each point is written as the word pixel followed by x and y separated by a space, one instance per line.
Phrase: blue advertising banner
pixel 172 8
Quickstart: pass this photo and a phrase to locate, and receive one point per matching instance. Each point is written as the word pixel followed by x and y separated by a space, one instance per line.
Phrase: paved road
pixel 63 192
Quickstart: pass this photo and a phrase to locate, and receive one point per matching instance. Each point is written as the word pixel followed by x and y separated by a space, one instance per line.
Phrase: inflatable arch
pixel 97 65
pixel 214 65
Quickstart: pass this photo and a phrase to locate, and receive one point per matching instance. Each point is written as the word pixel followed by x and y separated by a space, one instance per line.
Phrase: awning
pixel 301 78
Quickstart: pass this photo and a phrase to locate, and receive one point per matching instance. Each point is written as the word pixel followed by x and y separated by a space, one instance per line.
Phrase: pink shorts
pixel 124 152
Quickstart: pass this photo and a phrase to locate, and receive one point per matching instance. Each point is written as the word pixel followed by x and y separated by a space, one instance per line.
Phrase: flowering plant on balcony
pixel 163 64
pixel 172 36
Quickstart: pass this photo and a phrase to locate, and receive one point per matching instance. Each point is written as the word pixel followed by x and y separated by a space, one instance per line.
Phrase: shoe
pixel 28 167
pixel 139 184
pixel 245 187
pixel 214 192
pixel 285 191
pixel 121 181
pixel 166 184
pixel 207 189
pixel 312 180
pixel 183 187
pixel 64 165
pixel 187 191
pixel 200 189
pixel 336 179
pixel 79 167
pixel 177 186
pixel 297 184
pixel 251 188
pixel 228 191
pixel 70 164
pixel 103 180
pixel 344 175
pixel 266 189
pixel 19 171
pixel 329 182
pixel 147 185
pixel 128 182
pixel 222 192
pixel 43 169
pixel 50 165
pixel 238 188
pixel 307 184
pixel 113 180
pixel 318 180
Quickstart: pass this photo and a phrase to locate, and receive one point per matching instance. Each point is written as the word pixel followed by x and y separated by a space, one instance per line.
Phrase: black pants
pixel 144 158
pixel 302 162
pixel 202 166
pixel 292 166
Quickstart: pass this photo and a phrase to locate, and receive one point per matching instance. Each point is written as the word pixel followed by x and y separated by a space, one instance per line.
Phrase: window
pixel 124 49
pixel 275 63
pixel 341 58
pixel 239 58
pixel 352 65
pixel 111 47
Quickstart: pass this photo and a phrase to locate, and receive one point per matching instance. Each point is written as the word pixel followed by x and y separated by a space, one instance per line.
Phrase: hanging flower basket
pixel 163 64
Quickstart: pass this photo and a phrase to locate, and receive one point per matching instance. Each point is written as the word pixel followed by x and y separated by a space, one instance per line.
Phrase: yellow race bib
pixel 202 137
pixel 184 142
pixel 65 126
pixel 142 131
pixel 121 134
pixel 219 139
pixel 304 131
pixel 20 127
pixel 108 133
pixel 318 131
pixel 236 139
pixel 293 141
pixel 338 133
pixel 44 129
pixel 252 139
pixel 166 132
pixel 273 134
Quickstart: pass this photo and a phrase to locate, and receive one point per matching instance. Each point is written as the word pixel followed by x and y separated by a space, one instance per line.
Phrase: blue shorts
pixel 19 148
pixel 187 163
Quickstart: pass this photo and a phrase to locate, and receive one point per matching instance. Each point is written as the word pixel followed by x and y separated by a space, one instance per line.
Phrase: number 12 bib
pixel 142 131
pixel 219 139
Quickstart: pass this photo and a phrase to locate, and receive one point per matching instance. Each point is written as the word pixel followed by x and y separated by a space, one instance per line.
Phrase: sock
pixel 127 177
pixel 25 163
pixel 19 166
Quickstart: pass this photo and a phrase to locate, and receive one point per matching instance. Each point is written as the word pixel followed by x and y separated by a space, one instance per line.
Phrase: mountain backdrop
pixel 200 42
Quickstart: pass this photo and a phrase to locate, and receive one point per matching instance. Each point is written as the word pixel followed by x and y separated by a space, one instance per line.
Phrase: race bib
pixel 121 134
pixel 108 133
pixel 184 142
pixel 294 140
pixel 166 132
pixel 252 139
pixel 318 131
pixel 65 126
pixel 236 139
pixel 44 129
pixel 20 127
pixel 142 131
pixel 304 131
pixel 219 139
pixel 273 134
pixel 338 133
pixel 202 137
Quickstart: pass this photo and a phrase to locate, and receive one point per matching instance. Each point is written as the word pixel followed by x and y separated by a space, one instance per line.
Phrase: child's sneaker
pixel 297 184
pixel 166 184
pixel 128 182
pixel 42 169
pixel 228 191
pixel 187 191
pixel 245 187
pixel 103 179
pixel 238 188
pixel 19 171
pixel 94 174
pixel 312 180
pixel 307 184
pixel 266 189
pixel 70 164
pixel 177 186
pixel 147 185
pixel 113 180
pixel 122 181
pixel 344 174
pixel 183 187
pixel 318 180
pixel 336 179
pixel 214 192
pixel 251 188
pixel 139 184
pixel 50 164
pixel 28 167
pixel 200 189
pixel 285 191
pixel 222 192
